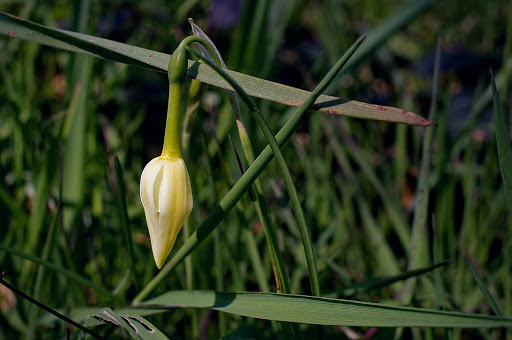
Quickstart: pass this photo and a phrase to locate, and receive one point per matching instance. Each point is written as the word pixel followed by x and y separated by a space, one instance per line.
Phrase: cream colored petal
pixel 162 248
pixel 150 179
pixel 166 195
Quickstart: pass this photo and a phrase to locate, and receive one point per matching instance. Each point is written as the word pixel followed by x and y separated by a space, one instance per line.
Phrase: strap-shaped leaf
pixel 136 326
pixel 322 311
pixel 13 26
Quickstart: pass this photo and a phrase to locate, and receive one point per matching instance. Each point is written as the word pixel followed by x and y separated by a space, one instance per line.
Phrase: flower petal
pixel 166 195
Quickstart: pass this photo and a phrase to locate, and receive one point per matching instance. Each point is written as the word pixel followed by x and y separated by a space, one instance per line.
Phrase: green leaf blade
pixel 322 311
pixel 135 325
pixel 13 26
pixel 503 143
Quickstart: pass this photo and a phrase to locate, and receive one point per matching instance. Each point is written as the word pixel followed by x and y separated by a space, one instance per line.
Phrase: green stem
pixel 292 191
pixel 48 309
pixel 260 204
pixel 172 138
pixel 189 261
pixel 243 184
pixel 125 224
pixel 263 212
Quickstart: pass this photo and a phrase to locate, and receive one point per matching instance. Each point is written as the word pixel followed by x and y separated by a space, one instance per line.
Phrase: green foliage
pixel 383 202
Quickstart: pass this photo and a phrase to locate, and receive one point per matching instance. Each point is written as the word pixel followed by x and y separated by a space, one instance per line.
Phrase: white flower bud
pixel 166 195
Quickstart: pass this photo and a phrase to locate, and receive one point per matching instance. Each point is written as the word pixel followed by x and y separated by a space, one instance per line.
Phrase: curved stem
pixel 260 204
pixel 172 138
pixel 234 195
pixel 292 191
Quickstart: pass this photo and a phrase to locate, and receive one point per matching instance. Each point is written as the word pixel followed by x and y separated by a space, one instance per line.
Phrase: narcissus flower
pixel 166 195
pixel 165 189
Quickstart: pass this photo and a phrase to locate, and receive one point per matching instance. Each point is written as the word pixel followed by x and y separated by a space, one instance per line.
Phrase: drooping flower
pixel 166 195
pixel 165 189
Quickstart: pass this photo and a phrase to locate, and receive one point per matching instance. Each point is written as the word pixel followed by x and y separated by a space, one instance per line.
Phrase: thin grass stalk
pixel 252 45
pixel 418 254
pixel 263 212
pixel 194 101
pixel 68 273
pixel 478 109
pixel 489 297
pixel 219 285
pixel 48 246
pixel 257 194
pixel 248 236
pixel 503 145
pixel 388 28
pixel 243 184
pixel 125 224
pixel 252 251
pixel 49 243
pixel 292 191
pixel 48 309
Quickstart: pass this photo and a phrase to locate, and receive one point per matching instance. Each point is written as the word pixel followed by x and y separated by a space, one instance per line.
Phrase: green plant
pixel 355 226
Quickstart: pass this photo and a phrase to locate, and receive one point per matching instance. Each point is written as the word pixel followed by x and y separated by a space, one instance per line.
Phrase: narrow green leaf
pixel 8 200
pixel 419 250
pixel 489 297
pixel 386 261
pixel 123 215
pixel 136 326
pixel 74 133
pixel 292 191
pixel 61 270
pixel 256 191
pixel 243 184
pixel 13 26
pixel 503 142
pixel 80 314
pixel 108 315
pixel 46 308
pixel 233 99
pixel 382 282
pixel 322 311
pixel 391 25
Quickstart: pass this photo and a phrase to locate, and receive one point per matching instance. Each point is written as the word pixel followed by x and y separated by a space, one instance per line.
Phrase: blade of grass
pixel 49 243
pixel 292 191
pixel 419 252
pixel 502 77
pixel 233 99
pixel 260 202
pixel 13 26
pixel 257 264
pixel 108 315
pixel 123 217
pixel 389 27
pixel 258 195
pixel 10 203
pixel 80 314
pixel 383 282
pixel 74 135
pixel 503 143
pixel 389 202
pixel 70 274
pixel 322 311
pixel 489 297
pixel 137 326
pixel 229 201
pixel 48 309
pixel 387 263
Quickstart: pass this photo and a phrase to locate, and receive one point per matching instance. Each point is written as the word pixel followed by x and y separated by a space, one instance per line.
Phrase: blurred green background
pixel 63 117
